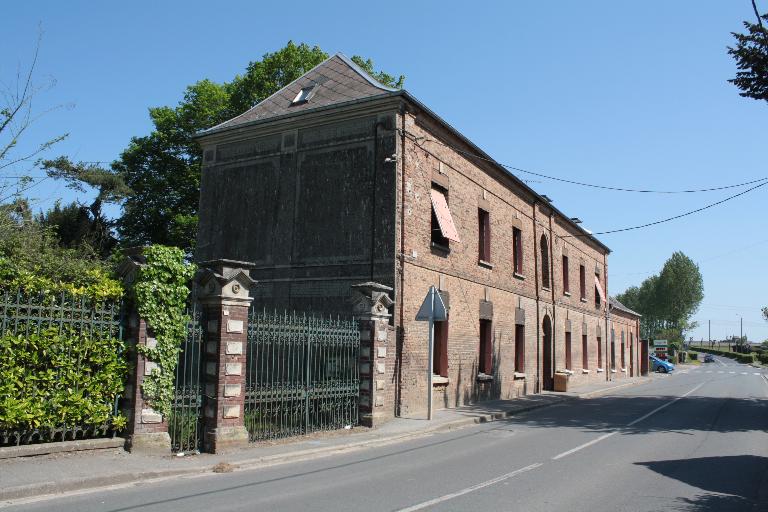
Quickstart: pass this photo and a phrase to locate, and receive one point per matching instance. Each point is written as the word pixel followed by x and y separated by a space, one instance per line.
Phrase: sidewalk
pixel 35 476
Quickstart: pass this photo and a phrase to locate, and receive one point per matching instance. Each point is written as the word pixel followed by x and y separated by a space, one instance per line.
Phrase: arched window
pixel 544 262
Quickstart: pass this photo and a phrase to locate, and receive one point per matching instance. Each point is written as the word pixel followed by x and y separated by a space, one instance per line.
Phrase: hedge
pixel 742 358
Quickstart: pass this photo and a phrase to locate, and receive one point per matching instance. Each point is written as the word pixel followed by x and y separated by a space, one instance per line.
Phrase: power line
pixel 697 210
pixel 581 183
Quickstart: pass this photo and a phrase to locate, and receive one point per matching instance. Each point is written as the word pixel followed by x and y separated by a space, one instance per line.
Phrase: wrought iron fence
pixel 185 420
pixel 26 315
pixel 302 374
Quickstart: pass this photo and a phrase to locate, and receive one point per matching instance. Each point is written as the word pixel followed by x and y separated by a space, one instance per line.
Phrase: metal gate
pixel 185 420
pixel 302 374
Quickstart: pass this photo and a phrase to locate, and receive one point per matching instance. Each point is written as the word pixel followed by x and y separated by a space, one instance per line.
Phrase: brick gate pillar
pixel 147 429
pixel 377 353
pixel 223 292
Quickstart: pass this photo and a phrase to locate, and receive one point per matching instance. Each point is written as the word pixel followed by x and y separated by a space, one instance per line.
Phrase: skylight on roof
pixel 304 95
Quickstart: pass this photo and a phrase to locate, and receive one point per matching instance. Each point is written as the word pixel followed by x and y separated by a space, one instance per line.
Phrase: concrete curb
pixel 30 450
pixel 93 483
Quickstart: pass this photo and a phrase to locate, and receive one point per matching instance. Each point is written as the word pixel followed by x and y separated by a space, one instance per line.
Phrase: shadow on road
pixel 693 413
pixel 736 482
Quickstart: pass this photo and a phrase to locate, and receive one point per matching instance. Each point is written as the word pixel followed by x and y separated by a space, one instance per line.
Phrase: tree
pixel 163 168
pixel 751 55
pixel 77 224
pixel 16 117
pixel 668 301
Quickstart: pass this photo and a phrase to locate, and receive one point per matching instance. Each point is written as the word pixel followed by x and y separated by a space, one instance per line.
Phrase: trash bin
pixel 561 381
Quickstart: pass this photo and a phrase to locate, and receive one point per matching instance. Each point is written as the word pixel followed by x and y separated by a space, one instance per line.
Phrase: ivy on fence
pixel 161 293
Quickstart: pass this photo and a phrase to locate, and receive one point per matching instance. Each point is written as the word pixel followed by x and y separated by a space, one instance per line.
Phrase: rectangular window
pixel 440 361
pixel 517 250
pixel 519 348
pixel 567 350
pixel 599 352
pixel 623 358
pixel 486 347
pixel 584 352
pixel 443 228
pixel 582 282
pixel 613 350
pixel 566 279
pixel 484 230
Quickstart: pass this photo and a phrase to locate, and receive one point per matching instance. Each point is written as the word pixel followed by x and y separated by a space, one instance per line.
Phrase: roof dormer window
pixel 304 95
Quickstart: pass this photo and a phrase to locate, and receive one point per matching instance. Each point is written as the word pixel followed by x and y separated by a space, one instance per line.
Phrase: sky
pixel 624 94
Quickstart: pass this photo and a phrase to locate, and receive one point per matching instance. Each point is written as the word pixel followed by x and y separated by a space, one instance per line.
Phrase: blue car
pixel 661 366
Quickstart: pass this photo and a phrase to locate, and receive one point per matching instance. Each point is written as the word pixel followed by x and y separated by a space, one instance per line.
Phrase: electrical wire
pixel 697 210
pixel 416 140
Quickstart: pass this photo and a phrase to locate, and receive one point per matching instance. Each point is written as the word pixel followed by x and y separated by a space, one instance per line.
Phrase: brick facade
pixel 352 201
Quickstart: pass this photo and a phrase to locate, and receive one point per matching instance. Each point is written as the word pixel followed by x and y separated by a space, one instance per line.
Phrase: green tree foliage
pixel 668 301
pixel 162 169
pixel 77 224
pixel 751 55
pixel 32 258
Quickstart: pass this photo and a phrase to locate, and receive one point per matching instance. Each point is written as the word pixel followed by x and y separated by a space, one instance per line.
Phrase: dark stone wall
pixel 313 208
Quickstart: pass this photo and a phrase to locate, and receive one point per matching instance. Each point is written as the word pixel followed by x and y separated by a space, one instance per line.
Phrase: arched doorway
pixel 548 382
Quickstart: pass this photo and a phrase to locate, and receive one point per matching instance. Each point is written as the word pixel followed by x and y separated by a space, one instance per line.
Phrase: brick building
pixel 336 180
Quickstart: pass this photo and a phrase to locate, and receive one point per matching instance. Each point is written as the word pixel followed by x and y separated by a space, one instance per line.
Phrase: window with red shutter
pixel 519 348
pixel 486 347
pixel 517 250
pixel 484 229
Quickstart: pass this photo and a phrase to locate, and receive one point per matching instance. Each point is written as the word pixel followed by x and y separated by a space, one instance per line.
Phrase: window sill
pixel 486 264
pixel 482 377
pixel 599 370
pixel 546 289
pixel 518 376
pixel 567 294
pixel 584 371
pixel 623 370
pixel 519 276
pixel 566 371
pixel 443 250
pixel 583 299
pixel 613 371
pixel 439 380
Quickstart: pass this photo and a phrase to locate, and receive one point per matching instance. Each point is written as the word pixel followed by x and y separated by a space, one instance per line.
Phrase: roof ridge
pixel 360 71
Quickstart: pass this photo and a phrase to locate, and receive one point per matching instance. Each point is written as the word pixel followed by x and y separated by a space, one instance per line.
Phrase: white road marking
pixel 721 371
pixel 481 485
pixel 732 373
pixel 638 420
pixel 743 373
pixel 755 373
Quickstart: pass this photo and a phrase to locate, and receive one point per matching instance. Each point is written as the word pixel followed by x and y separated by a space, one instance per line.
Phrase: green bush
pixel 52 379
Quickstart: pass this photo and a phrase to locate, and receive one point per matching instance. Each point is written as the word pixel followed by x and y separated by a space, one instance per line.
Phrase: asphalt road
pixel 695 440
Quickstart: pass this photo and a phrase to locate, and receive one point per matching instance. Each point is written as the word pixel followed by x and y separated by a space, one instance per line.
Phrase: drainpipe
pixel 537 383
pixel 398 405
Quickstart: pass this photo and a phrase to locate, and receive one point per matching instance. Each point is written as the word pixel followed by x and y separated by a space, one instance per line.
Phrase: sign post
pixel 431 310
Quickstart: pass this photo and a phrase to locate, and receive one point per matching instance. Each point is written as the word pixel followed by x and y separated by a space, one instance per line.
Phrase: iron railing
pixel 302 374
pixel 25 314
pixel 185 419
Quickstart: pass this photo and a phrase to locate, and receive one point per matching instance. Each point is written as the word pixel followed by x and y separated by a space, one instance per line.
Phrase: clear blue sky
pixel 627 94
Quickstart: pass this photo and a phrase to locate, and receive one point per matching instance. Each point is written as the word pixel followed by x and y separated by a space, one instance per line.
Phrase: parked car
pixel 661 366
pixel 709 358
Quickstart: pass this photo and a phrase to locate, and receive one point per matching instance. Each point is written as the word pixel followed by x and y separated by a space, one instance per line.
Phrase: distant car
pixel 709 358
pixel 661 366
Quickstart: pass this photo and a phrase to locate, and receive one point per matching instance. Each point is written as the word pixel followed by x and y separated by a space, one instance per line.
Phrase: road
pixel 694 440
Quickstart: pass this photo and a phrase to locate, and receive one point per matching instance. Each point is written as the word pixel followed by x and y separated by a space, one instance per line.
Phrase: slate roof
pixel 615 304
pixel 337 80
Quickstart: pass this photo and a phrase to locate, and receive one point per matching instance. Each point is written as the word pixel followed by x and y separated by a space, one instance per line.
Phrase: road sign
pixel 431 310
pixel 660 343
pixel 433 307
